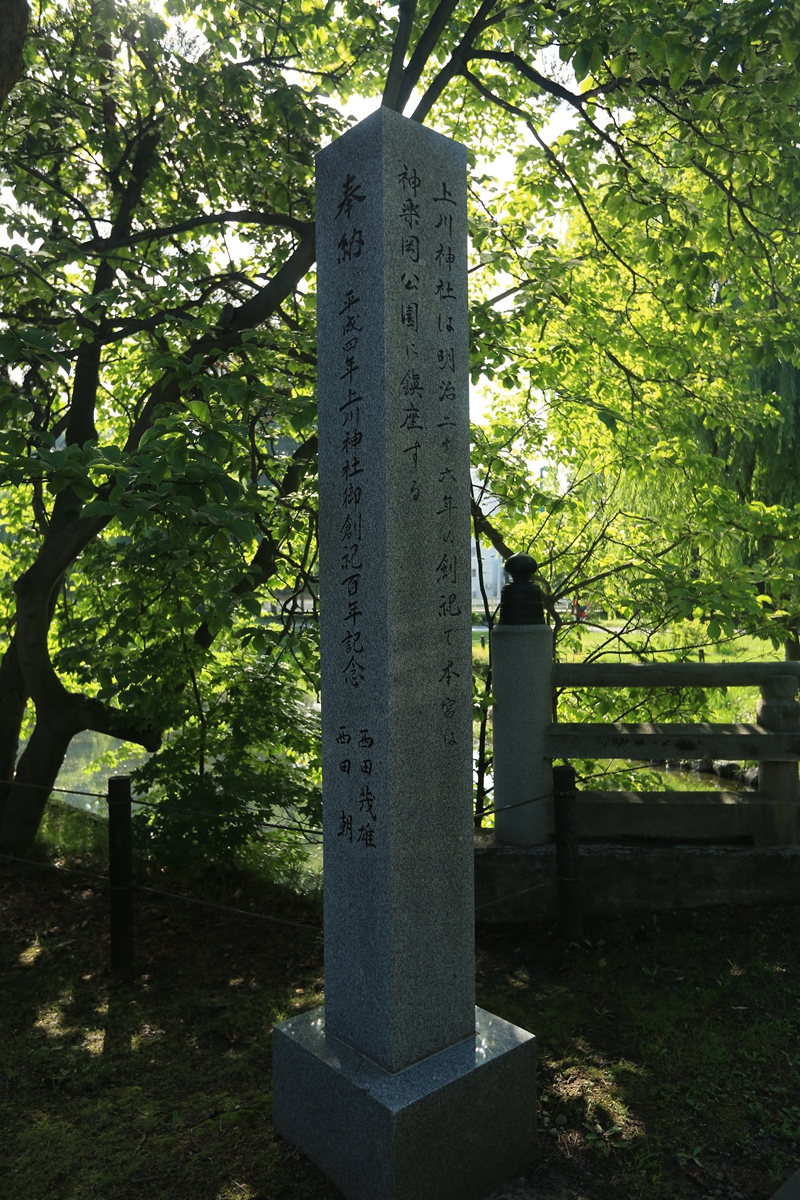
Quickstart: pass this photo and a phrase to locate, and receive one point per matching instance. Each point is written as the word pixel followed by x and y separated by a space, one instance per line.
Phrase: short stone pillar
pixel 779 711
pixel 522 669
pixel 400 1089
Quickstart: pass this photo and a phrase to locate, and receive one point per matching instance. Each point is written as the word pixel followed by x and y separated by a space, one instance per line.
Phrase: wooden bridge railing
pixel 527 740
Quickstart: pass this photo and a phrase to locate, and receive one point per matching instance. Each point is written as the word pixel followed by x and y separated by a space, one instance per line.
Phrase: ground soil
pixel 669 1046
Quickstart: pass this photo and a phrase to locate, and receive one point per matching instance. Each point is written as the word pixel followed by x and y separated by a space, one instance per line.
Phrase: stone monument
pixel 399 1089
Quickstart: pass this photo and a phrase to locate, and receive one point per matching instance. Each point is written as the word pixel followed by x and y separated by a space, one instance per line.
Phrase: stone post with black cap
pixel 522 668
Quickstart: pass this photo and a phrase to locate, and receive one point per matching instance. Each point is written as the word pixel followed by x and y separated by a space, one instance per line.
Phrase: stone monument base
pixel 453 1127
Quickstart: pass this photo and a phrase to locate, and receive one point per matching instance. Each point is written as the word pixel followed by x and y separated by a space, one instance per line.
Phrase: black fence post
pixel 120 873
pixel 570 917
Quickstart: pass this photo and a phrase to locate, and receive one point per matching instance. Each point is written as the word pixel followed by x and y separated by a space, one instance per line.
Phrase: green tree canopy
pixel 157 329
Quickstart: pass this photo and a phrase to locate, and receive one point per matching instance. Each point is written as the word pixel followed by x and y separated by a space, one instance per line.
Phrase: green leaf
pixel 582 60
pixel 199 410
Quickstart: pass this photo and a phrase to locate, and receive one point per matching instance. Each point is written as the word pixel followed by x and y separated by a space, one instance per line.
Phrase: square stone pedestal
pixel 452 1127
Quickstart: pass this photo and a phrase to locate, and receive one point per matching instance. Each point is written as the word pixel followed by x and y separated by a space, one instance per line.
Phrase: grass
pixel 670 1045
pixel 166 1079
pixel 672 1057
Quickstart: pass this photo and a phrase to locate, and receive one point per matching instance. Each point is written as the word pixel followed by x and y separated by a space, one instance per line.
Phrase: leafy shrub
pixel 248 754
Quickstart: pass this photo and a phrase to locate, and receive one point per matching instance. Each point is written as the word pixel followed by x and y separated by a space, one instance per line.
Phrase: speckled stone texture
pixel 395 589
pixel 518 883
pixel 790 1190
pixel 451 1127
pixel 522 669
pixel 392 1093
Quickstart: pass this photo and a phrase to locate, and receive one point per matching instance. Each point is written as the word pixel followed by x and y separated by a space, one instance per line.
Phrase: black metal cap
pixel 521 600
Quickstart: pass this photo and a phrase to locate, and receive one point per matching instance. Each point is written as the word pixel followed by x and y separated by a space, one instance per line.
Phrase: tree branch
pixel 541 81
pixel 80 427
pixel 143 161
pixel 552 88
pixel 455 64
pixel 394 76
pixel 265 560
pixel 93 714
pixel 66 542
pixel 245 216
pixel 485 528
pixel 425 46
pixel 252 313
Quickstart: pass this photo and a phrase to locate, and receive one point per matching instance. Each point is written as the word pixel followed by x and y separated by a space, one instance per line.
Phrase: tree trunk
pixel 42 758
pixel 14 16
pixel 13 698
pixel 60 714
pixel 27 671
pixel 36 773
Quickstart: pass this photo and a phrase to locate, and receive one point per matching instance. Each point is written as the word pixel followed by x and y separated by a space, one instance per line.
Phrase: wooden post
pixel 779 711
pixel 120 873
pixel 570 920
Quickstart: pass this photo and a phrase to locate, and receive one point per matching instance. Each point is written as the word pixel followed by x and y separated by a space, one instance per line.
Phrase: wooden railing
pixel 674 741
pixel 526 681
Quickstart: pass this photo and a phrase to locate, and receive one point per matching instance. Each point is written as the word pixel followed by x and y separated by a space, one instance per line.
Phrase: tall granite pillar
pixel 397 1089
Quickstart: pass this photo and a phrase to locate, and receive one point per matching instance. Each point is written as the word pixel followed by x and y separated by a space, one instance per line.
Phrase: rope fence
pixel 260 825
pixel 121 885
pixel 140 887
pixel 196 812
pixel 171 808
pixel 120 882
pixel 42 787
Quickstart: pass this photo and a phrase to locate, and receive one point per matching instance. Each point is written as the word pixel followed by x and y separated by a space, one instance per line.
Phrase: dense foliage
pixel 634 290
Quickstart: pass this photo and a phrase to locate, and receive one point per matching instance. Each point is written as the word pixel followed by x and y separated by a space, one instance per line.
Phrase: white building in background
pixel 493 577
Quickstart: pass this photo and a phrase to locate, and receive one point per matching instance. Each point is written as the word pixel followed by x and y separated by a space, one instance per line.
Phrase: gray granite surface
pixel 789 1190
pixel 522 668
pixel 451 1127
pixel 548 1186
pixel 395 588
pixel 398 1091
